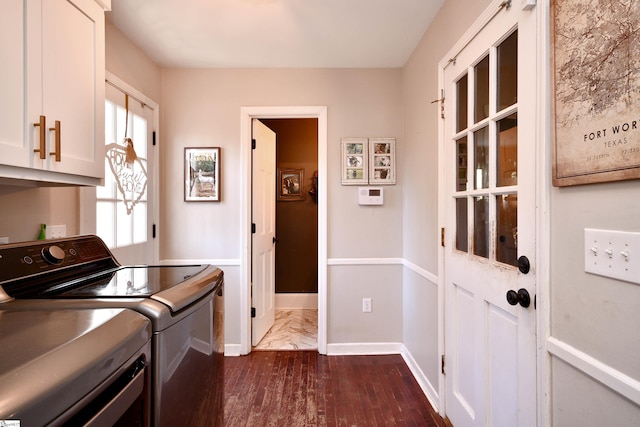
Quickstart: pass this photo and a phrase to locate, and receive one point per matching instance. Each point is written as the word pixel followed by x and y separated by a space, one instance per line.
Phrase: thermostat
pixel 370 195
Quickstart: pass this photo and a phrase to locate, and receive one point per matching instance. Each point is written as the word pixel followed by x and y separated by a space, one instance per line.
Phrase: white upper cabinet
pixel 13 139
pixel 52 87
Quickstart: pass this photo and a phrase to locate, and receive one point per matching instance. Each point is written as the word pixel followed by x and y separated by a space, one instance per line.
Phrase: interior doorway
pixel 247 115
pixel 296 235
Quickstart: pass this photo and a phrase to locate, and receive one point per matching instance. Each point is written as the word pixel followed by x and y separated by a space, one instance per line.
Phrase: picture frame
pixel 290 184
pixel 202 174
pixel 382 161
pixel 594 105
pixel 355 163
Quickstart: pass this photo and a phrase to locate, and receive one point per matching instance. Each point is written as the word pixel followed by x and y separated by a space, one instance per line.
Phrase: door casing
pixel 246 116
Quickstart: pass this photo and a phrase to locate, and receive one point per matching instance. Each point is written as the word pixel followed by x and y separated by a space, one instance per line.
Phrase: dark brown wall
pixel 297 221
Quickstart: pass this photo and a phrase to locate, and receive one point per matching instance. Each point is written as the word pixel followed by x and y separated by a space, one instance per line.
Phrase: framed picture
pixel 595 98
pixel 355 164
pixel 382 161
pixel 202 174
pixel 290 184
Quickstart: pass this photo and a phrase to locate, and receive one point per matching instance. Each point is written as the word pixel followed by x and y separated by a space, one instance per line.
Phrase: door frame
pixel 542 197
pixel 272 112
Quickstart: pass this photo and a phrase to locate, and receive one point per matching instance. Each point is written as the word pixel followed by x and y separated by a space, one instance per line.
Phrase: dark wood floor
pixel 303 388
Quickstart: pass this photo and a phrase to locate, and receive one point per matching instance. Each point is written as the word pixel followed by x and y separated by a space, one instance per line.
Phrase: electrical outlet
pixel 4 240
pixel 56 231
pixel 366 305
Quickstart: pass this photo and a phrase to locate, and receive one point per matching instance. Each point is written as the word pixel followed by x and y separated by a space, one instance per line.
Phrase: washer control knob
pixel 53 254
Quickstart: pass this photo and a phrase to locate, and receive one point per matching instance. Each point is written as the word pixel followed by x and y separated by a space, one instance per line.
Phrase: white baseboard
pixel 299 301
pixel 232 350
pixel 427 388
pixel 364 348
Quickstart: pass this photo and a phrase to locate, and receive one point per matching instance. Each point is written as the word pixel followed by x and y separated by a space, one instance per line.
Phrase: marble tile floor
pixel 294 329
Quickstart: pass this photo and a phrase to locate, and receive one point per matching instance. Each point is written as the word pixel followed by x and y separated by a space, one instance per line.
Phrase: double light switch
pixel 614 254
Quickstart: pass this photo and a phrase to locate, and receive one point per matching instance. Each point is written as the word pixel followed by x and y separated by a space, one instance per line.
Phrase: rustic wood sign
pixel 595 75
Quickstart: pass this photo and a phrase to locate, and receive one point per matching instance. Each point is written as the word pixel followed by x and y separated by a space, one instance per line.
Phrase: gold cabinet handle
pixel 42 124
pixel 56 129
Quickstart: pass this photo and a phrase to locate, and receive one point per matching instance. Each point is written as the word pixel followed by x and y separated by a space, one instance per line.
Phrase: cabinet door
pixel 14 149
pixel 73 84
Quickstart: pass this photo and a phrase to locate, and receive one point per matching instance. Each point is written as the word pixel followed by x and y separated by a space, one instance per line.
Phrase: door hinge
pixel 442 358
pixel 153 231
pixel 253 228
pixel 253 144
pixel 253 312
pixel 441 101
pixel 153 138
pixel 442 236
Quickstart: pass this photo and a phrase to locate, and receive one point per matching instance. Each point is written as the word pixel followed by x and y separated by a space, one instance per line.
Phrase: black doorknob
pixel 275 239
pixel 523 264
pixel 521 297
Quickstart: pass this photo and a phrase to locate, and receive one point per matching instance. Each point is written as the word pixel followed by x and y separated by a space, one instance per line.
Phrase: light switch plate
pixel 614 254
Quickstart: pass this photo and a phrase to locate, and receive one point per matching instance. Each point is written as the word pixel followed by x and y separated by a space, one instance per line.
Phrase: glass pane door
pixel 486 140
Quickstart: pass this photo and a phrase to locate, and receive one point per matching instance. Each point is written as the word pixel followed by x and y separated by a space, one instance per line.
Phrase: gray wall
pixel 598 317
pixel 421 235
pixel 202 108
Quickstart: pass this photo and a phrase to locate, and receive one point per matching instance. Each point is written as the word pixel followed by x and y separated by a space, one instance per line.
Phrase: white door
pixel 489 220
pixel 263 254
pixel 125 204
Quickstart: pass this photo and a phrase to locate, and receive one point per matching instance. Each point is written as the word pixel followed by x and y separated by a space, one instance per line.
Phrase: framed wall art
pixel 382 161
pixel 290 184
pixel 202 174
pixel 355 164
pixel 595 99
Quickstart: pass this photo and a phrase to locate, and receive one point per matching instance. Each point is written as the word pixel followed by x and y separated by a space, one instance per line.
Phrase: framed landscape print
pixel 382 161
pixel 202 174
pixel 355 164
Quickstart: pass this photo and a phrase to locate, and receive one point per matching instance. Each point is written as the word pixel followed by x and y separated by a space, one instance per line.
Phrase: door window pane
pixel 481 226
pixel 481 73
pixel 507 230
pixel 507 151
pixel 139 133
pixel 139 220
pixel 508 72
pixel 462 164
pixel 461 110
pixel 462 232
pixel 486 156
pixel 105 222
pixel 124 226
pixel 481 158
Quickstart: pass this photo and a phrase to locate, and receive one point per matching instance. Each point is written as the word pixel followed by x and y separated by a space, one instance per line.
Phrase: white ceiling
pixel 275 33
